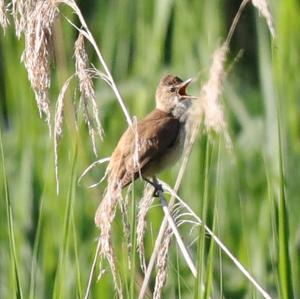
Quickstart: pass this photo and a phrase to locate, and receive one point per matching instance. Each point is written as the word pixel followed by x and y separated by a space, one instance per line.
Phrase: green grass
pixel 68 221
pixel 15 277
pixel 285 275
pixel 249 195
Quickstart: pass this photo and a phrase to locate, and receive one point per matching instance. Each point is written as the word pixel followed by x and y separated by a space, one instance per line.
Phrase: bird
pixel 152 144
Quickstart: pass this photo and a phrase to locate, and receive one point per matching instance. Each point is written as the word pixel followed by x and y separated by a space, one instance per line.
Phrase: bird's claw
pixel 157 188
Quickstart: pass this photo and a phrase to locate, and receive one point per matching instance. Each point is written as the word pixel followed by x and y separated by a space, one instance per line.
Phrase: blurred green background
pixel 55 237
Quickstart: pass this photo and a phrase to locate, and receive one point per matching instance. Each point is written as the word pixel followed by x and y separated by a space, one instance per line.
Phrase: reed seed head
pixel 86 87
pixel 144 207
pixel 104 217
pixel 210 107
pixel 162 263
pixel 4 22
pixel 262 7
pixel 38 48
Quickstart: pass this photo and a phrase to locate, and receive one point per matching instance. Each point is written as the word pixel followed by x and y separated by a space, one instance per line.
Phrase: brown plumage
pixel 153 142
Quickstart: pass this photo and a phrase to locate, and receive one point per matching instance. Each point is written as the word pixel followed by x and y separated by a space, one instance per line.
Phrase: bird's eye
pixel 172 89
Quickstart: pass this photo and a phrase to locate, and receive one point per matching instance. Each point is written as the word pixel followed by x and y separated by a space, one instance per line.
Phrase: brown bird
pixel 155 143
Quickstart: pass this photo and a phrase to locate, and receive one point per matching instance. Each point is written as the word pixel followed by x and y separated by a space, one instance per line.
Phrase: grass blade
pixel 210 265
pixel 10 227
pixel 78 276
pixel 35 251
pixel 178 274
pixel 133 250
pixel 57 289
pixel 204 207
pixel 285 275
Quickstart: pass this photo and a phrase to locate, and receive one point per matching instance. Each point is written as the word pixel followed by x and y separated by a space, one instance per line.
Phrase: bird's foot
pixel 157 187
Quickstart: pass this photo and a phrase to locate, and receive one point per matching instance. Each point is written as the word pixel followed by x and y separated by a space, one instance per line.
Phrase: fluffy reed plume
pixel 4 22
pixel 209 106
pixel 144 207
pixel 86 87
pixel 58 123
pixel 162 263
pixel 104 217
pixel 262 7
pixel 37 53
pixel 19 12
pixel 123 203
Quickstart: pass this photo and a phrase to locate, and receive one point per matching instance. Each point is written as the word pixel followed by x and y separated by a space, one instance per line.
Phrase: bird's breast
pixel 169 157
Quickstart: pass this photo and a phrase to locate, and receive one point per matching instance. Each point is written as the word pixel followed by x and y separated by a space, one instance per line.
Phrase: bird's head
pixel 171 94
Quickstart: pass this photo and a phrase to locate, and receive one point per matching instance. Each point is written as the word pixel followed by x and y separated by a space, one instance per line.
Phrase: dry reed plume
pixel 210 105
pixel 104 218
pixel 35 20
pixel 58 126
pixel 144 206
pixel 162 264
pixel 263 9
pixel 87 91
pixel 37 54
pixel 4 22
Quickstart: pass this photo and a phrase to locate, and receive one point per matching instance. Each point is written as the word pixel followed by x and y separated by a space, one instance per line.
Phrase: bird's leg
pixel 157 187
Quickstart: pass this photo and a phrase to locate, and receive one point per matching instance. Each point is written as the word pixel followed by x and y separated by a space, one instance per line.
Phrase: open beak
pixel 181 89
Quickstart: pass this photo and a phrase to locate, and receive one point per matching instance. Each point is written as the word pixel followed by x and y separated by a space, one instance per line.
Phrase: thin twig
pixel 235 21
pixel 179 240
pixel 86 32
pixel 88 288
pixel 100 161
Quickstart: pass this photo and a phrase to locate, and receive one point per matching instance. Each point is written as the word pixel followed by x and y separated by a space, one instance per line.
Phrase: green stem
pixel 285 276
pixel 10 228
pixel 133 249
pixel 201 240
pixel 66 232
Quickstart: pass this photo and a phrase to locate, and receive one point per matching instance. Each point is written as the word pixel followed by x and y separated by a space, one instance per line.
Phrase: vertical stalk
pixel 285 275
pixel 201 240
pixel 178 274
pixel 36 250
pixel 57 288
pixel 214 206
pixel 10 228
pixel 78 276
pixel 133 251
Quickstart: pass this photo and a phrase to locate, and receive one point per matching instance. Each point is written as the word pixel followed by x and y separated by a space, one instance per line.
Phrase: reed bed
pixel 233 210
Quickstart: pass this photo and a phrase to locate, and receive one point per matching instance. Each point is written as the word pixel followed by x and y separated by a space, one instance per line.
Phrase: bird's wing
pixel 156 133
